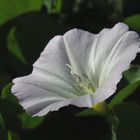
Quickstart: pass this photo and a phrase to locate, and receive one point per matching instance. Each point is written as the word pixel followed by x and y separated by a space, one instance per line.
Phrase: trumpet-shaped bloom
pixel 78 68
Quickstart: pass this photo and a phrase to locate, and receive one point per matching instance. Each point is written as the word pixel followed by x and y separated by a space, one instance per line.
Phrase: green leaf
pixel 15 55
pixel 9 105
pixel 124 93
pixel 3 131
pixel 33 38
pixel 88 112
pixel 5 77
pixel 28 122
pixel 129 118
pixel 13 136
pixel 12 8
pixel 53 6
pixel 13 46
pixel 9 136
pixel 7 94
pixel 58 5
pixel 5 91
pixel 48 4
pixel 114 123
pixel 133 74
pixel 133 22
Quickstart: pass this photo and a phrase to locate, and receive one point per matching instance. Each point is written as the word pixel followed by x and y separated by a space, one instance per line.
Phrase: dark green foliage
pixel 129 122
pixel 26 26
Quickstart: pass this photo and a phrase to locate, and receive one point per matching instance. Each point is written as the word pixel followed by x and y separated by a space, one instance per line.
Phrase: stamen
pixel 82 82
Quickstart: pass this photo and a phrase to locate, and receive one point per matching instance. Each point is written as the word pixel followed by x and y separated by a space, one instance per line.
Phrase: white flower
pixel 78 68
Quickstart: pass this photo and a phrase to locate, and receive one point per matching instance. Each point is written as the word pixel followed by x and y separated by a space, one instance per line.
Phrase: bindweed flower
pixel 78 68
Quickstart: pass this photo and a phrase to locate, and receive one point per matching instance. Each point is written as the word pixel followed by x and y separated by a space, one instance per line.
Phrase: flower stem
pixel 101 108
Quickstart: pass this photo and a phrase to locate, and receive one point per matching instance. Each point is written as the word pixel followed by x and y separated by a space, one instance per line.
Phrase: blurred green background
pixel 26 26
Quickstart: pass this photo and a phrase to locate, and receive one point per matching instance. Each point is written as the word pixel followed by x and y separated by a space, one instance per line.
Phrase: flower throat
pixel 82 81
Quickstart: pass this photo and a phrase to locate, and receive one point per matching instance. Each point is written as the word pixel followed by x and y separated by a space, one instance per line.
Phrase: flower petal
pixel 78 45
pixel 53 60
pixel 108 55
pixel 102 47
pixel 49 82
pixel 83 101
pixel 116 60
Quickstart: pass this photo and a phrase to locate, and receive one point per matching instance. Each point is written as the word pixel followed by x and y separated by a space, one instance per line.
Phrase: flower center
pixel 83 83
pixel 86 88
